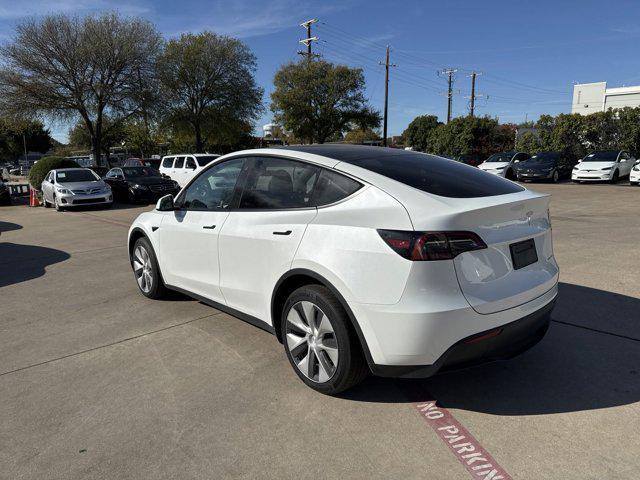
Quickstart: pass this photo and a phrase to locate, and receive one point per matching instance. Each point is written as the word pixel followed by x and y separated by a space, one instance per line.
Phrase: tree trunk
pixel 198 131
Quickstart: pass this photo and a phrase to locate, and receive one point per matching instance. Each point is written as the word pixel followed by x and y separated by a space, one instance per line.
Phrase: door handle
pixel 209 227
pixel 286 232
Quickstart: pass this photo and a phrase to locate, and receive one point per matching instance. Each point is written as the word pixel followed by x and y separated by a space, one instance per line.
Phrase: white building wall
pixel 596 97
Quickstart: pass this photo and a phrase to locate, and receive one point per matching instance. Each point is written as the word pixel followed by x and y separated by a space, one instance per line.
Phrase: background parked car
pixel 634 176
pixel 71 187
pixel 603 165
pixel 5 194
pixel 502 164
pixel 184 167
pixel 139 184
pixel 545 166
pixel 469 159
pixel 101 171
pixel 142 162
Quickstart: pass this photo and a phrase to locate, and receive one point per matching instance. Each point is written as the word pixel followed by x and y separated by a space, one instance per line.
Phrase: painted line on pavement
pixel 464 446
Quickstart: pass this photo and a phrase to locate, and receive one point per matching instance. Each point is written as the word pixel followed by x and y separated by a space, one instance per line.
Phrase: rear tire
pixel 319 341
pixel 146 270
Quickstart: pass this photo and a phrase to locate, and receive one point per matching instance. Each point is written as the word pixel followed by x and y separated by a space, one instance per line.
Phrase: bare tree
pixel 89 68
pixel 208 83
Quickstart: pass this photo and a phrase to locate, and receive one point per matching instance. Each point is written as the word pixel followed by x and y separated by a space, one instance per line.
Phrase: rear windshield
pixel 437 175
pixel 204 160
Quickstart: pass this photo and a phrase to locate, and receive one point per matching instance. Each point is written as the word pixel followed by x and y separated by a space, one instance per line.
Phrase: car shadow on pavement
pixel 589 359
pixel 9 226
pixel 19 263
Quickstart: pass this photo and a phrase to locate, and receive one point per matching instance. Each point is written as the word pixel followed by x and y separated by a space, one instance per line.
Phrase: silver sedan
pixel 72 187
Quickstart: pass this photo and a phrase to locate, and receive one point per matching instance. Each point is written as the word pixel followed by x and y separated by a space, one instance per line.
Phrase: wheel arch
pixel 135 234
pixel 297 278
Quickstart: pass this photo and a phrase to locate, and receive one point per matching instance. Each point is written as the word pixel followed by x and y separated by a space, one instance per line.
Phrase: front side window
pixel 191 163
pixel 277 183
pixel 179 162
pixel 167 162
pixel 214 188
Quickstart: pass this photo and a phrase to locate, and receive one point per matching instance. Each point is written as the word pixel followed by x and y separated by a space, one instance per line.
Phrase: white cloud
pixel 16 10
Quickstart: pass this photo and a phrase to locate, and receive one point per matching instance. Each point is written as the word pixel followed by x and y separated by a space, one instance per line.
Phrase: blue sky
pixel 529 53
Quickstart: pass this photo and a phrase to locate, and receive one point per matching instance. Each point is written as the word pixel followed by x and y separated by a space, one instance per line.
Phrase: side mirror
pixel 165 204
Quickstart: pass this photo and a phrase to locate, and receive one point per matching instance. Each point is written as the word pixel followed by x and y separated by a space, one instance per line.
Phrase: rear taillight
pixel 421 246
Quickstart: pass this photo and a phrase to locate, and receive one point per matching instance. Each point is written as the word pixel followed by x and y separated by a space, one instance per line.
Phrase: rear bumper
pixel 500 343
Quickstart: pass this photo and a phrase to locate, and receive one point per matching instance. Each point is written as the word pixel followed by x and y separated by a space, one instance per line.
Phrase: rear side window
pixel 191 163
pixel 179 162
pixel 436 175
pixel 333 187
pixel 205 160
pixel 276 183
pixel 167 162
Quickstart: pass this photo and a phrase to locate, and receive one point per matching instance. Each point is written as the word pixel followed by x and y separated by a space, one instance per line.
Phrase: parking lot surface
pixel 96 381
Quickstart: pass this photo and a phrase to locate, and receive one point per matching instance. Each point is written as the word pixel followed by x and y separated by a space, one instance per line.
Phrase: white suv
pixel 358 258
pixel 184 167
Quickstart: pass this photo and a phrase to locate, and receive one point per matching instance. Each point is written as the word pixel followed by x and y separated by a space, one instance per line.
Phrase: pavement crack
pixel 108 344
pixel 604 332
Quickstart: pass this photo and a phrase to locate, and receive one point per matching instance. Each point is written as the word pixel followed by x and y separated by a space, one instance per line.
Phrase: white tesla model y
pixel 358 258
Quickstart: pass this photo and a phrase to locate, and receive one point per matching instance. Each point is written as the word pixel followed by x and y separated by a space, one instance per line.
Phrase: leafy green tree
pixel 471 135
pixel 418 133
pixel 568 135
pixel 44 166
pixel 87 68
pixel 209 86
pixel 629 129
pixel 529 142
pixel 113 136
pixel 15 134
pixel 359 136
pixel 318 100
pixel 600 131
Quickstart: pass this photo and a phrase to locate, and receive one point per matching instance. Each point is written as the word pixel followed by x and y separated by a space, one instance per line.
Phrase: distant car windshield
pixel 76 176
pixel 206 159
pixel 603 156
pixel 139 172
pixel 544 157
pixel 500 157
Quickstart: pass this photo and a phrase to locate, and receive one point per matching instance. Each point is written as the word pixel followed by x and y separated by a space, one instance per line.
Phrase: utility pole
pixel 472 98
pixel 386 96
pixel 450 73
pixel 309 40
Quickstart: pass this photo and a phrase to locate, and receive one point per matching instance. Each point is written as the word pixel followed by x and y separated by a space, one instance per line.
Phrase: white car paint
pixel 409 312
pixel 59 189
pixel 634 176
pixel 601 171
pixel 503 168
pixel 183 167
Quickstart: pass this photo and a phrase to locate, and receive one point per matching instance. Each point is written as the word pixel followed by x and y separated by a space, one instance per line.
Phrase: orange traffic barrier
pixel 33 198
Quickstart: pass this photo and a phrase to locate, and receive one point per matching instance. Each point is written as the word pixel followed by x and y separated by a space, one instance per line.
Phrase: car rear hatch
pixel 518 264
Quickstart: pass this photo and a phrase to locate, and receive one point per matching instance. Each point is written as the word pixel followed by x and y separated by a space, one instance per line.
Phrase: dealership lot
pixel 96 381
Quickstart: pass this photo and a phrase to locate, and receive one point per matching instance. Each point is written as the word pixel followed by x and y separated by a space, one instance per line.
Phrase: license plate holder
pixel 523 253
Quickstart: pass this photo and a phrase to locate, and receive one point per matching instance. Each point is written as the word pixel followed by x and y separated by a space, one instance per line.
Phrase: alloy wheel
pixel 311 341
pixel 143 268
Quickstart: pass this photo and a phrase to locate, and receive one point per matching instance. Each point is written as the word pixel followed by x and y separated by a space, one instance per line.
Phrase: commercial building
pixel 596 97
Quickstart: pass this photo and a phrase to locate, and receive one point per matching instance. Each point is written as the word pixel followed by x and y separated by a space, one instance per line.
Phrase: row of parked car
pixel 600 166
pixel 136 181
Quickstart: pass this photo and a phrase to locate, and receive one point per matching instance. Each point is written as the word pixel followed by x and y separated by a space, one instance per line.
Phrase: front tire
pixel 616 177
pixel 319 342
pixel 57 205
pixel 146 271
pixel 555 177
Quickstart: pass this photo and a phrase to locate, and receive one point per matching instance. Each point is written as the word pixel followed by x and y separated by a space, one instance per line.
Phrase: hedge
pixel 44 166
